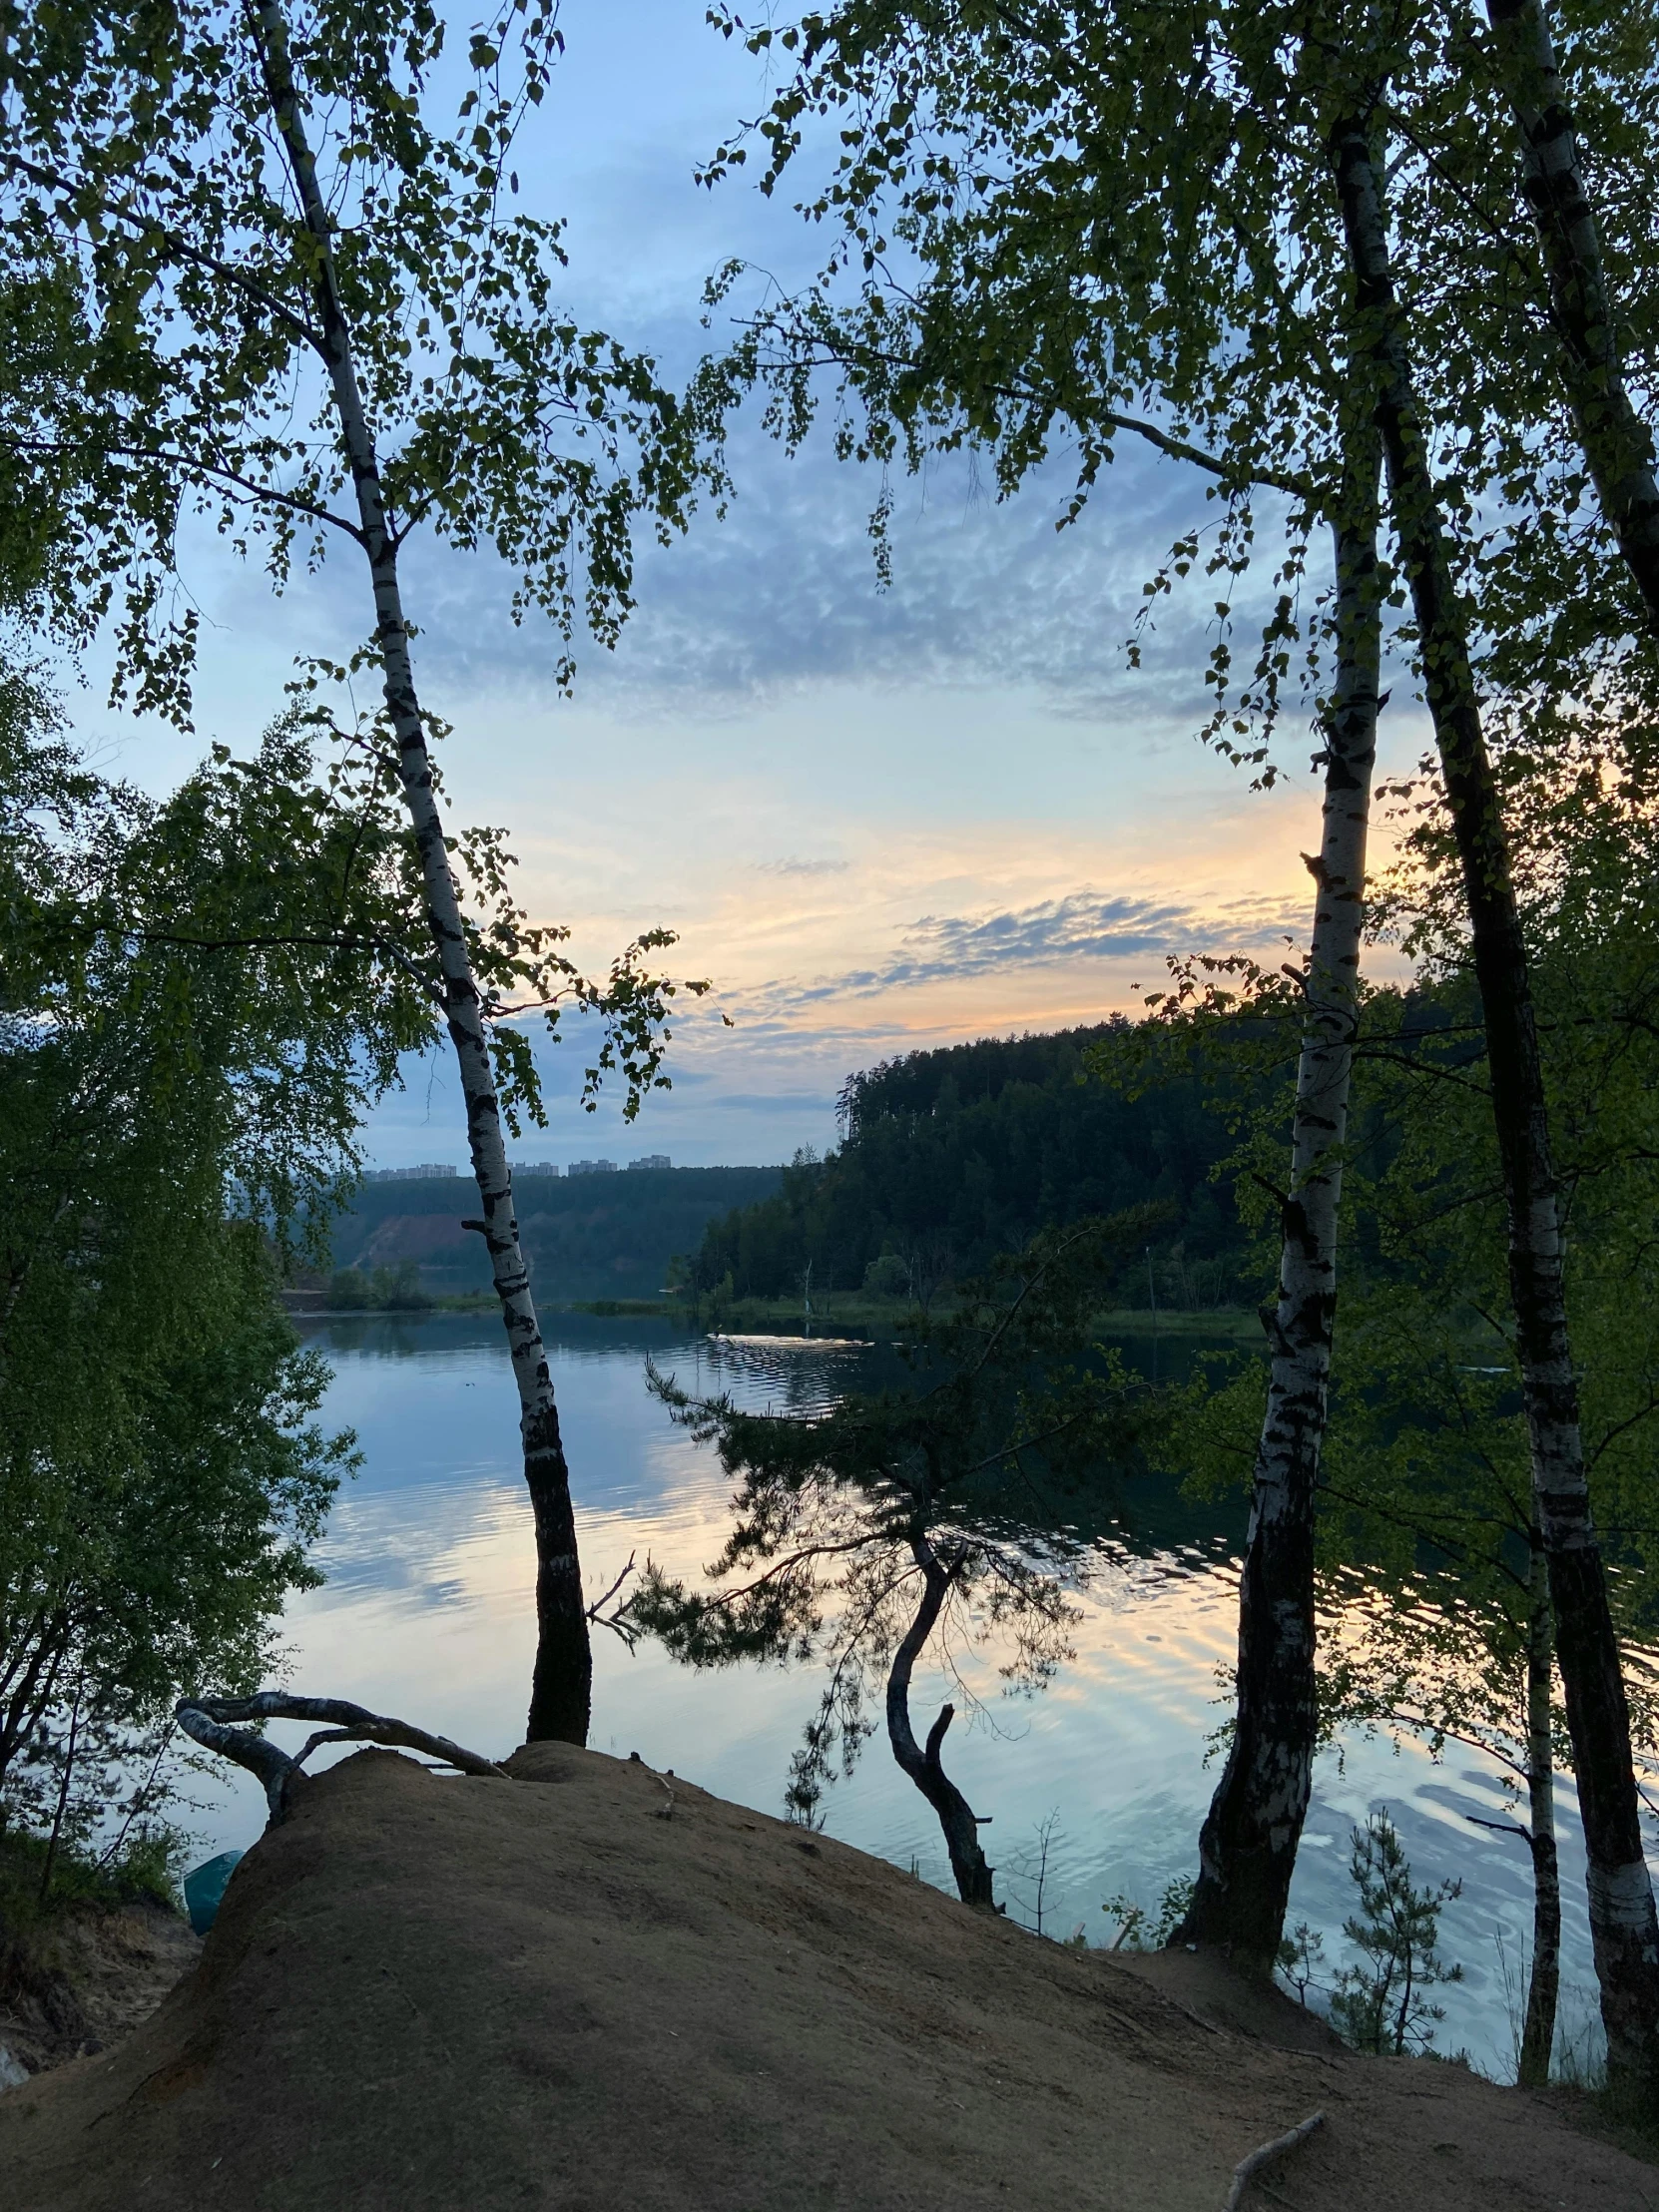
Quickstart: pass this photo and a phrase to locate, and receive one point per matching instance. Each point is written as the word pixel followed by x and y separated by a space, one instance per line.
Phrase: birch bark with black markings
pixel 1248 1845
pixel 561 1691
pixel 1617 443
pixel 1623 1926
pixel 1543 1987
pixel 207 1719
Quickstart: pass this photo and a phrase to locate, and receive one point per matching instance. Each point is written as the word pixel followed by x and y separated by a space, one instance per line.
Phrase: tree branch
pixel 177 245
pixel 1245 2172
pixel 206 1720
pixel 254 494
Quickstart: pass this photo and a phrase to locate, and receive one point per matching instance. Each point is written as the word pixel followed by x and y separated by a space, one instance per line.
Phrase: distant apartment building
pixel 537 1167
pixel 590 1167
pixel 421 1174
pixel 652 1159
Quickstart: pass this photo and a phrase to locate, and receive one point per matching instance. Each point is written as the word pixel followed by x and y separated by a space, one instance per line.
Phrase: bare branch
pixel 207 1719
pixel 1501 1828
pixel 617 1623
pixel 1245 2172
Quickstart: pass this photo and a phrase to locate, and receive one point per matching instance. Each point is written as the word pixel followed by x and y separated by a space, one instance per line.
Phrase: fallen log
pixel 208 1720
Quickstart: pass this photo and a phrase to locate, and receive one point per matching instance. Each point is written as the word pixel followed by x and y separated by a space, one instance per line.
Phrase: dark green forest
pixel 952 1156
pixel 585 1236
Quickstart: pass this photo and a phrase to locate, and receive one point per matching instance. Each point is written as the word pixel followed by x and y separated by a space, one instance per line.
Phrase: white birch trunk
pixel 1617 443
pixel 1623 1926
pixel 1248 1846
pixel 561 1693
pixel 1544 1983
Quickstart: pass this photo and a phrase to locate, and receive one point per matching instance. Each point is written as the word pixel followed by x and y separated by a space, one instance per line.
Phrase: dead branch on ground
pixel 1245 2172
pixel 208 1720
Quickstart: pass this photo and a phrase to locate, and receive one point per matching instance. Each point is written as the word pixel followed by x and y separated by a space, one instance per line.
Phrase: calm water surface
pixel 428 1613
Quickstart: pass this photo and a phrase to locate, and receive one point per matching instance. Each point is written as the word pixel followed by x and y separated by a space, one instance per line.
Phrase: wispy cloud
pixel 800 867
pixel 1085 926
pixel 781 593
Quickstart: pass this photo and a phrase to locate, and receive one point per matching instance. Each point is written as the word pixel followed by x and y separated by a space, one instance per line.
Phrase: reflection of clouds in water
pixel 429 1613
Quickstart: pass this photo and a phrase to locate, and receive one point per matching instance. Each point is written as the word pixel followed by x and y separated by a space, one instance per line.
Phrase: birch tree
pixel 1623 1926
pixel 1037 318
pixel 314 321
pixel 1617 443
pixel 1049 214
pixel 167 1101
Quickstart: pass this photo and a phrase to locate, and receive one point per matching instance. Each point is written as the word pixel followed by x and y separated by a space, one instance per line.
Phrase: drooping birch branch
pixel 207 1721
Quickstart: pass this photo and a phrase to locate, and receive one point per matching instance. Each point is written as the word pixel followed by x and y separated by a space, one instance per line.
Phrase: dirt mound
pixel 592 1987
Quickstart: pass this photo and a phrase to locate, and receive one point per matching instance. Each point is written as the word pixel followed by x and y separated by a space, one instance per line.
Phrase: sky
pixel 877 820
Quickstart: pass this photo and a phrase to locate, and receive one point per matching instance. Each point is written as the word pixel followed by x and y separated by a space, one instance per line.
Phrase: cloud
pixel 800 867
pixel 761 1089
pixel 781 593
pixel 1085 926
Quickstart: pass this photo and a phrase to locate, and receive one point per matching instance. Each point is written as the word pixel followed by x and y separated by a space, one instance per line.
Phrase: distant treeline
pixel 585 1236
pixel 954 1154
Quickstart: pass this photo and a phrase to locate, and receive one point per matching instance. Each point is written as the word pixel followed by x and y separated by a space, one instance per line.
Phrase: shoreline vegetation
pixel 876 1319
pixel 881 1318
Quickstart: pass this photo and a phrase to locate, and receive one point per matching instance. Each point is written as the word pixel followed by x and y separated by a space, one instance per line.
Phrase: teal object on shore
pixel 206 1886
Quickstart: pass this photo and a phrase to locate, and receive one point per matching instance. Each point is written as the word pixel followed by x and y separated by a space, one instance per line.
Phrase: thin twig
pixel 1245 2172
pixel 617 1623
pixel 599 1604
pixel 1502 1828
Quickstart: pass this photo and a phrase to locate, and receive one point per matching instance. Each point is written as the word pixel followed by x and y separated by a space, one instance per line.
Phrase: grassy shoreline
pixel 848 1316
pixel 855 1314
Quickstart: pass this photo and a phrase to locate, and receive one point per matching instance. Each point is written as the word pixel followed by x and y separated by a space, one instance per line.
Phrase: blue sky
pixel 877 820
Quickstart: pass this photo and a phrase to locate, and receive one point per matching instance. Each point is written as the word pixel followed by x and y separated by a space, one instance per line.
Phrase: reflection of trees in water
pixel 875 1526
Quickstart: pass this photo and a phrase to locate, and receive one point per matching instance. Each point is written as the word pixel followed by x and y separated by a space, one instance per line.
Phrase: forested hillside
pixel 953 1155
pixel 586 1236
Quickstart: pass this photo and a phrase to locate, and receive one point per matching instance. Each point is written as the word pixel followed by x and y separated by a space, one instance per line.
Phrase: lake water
pixel 427 1612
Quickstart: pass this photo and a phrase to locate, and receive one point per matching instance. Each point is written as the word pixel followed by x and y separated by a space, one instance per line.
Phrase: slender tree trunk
pixel 1617 443
pixel 562 1688
pixel 1544 1989
pixel 1623 1927
pixel 921 1762
pixel 65 1783
pixel 1248 1845
pixel 1619 449
pixel 21 1706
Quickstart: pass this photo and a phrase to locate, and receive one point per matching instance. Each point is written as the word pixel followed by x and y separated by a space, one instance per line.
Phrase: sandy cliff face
pixel 89 1979
pixel 592 1986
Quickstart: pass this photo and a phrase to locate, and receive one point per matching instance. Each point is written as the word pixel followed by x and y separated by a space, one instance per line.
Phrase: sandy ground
pixel 542 1992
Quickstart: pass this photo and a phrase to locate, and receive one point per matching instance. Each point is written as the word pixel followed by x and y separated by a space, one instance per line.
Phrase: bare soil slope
pixel 429 1993
pixel 90 1979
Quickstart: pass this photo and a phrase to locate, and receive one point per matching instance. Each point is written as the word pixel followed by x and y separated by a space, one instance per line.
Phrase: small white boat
pixel 794 1343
